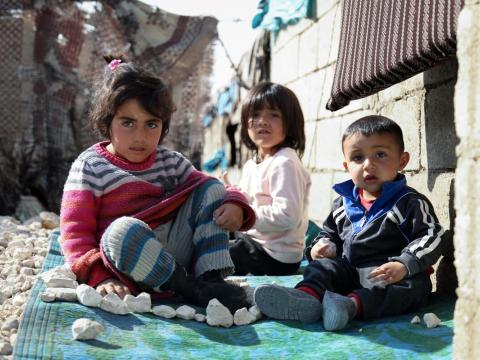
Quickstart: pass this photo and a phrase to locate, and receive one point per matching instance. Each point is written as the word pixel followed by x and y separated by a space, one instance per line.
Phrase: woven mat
pixel 45 333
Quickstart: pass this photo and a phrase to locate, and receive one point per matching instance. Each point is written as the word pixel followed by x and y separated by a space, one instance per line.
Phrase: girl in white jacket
pixel 275 182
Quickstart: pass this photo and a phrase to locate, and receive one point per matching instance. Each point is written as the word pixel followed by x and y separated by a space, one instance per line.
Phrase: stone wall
pixel 466 341
pixel 304 57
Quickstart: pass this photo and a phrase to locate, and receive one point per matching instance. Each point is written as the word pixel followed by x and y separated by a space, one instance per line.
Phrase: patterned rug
pixel 45 333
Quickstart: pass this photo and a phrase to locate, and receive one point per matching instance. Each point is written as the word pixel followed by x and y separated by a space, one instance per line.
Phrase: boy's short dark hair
pixel 375 124
pixel 126 82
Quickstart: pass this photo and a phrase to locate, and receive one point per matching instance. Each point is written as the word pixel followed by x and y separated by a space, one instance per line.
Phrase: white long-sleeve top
pixel 277 190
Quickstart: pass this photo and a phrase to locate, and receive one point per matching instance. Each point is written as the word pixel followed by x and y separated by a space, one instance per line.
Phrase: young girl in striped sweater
pixel 137 216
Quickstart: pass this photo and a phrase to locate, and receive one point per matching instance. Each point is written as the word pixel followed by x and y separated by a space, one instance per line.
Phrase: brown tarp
pixel 51 56
pixel 383 42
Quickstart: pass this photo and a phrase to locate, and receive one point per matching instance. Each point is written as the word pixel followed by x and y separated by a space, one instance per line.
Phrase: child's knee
pixel 123 231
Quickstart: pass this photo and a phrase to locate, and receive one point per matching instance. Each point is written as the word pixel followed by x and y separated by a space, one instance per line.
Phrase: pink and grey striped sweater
pixel 102 187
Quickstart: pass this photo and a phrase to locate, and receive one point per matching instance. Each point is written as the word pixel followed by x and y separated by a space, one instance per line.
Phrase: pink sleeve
pixel 235 196
pixel 78 226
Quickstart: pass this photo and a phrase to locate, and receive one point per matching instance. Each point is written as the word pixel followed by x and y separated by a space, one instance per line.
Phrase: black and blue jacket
pixel 400 226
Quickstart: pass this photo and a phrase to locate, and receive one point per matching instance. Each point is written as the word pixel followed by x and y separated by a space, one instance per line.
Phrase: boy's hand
pixel 113 286
pixel 229 217
pixel 324 248
pixel 388 273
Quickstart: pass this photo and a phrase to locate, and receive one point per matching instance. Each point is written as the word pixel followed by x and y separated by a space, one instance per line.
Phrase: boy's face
pixel 134 132
pixel 372 161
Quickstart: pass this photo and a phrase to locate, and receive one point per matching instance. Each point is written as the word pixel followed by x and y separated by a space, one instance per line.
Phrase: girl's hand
pixel 388 273
pixel 229 217
pixel 113 286
pixel 224 178
pixel 324 248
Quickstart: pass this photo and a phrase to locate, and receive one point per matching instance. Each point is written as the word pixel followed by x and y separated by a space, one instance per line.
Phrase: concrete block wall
pixel 304 58
pixel 466 341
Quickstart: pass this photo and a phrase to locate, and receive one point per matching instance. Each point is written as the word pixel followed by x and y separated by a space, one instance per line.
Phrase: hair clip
pixel 114 64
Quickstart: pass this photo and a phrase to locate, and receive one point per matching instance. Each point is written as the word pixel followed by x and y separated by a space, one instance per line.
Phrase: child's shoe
pixel 283 303
pixel 338 311
pixel 200 292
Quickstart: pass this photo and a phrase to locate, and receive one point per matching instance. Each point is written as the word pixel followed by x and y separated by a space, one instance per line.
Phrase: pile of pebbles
pixel 23 248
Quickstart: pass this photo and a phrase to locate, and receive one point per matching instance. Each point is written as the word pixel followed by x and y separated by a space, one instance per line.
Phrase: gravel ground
pixel 23 248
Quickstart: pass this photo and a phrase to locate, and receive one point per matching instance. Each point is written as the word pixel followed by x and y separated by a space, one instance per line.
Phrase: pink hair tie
pixel 114 64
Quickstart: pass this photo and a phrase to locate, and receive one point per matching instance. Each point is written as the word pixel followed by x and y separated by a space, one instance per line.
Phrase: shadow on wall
pixel 441 141
pixel 441 137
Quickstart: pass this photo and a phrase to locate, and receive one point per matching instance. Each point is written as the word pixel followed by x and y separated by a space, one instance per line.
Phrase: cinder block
pixel 407 113
pixel 308 50
pixel 327 143
pixel 439 129
pixel 439 188
pixel 328 28
pixel 284 66
pixel 324 6
pixel 321 196
pixel 288 33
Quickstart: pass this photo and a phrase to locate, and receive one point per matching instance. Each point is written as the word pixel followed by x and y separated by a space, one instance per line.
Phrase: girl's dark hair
pixel 280 98
pixel 375 124
pixel 124 82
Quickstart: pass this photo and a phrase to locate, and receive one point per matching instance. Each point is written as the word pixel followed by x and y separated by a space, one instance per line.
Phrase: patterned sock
pixel 132 248
pixel 283 303
pixel 338 311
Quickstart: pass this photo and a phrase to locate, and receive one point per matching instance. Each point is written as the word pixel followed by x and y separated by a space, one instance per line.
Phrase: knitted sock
pixel 338 311
pixel 132 248
pixel 283 303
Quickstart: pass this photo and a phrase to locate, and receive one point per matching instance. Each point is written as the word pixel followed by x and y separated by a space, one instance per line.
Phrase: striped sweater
pixel 102 187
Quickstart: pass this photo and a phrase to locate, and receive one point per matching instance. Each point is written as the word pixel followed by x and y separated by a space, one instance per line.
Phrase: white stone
pixel 113 304
pixel 62 271
pixel 49 220
pixel 22 253
pixel 200 317
pixel 164 311
pixel 5 348
pixel 86 329
pixel 88 296
pixel 415 320
pixel 431 320
pixel 26 271
pixel 185 312
pixel 13 339
pixel 139 304
pixel 10 323
pixel 60 282
pixel 65 294
pixel 218 315
pixel 47 296
pixel 243 317
pixel 255 311
pixel 19 299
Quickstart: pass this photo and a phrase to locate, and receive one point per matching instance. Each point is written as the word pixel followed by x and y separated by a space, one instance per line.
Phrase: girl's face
pixel 134 132
pixel 266 130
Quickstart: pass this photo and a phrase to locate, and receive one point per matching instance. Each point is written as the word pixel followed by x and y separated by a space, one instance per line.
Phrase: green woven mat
pixel 45 333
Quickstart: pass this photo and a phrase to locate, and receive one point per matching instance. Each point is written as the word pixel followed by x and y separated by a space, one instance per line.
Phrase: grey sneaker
pixel 338 311
pixel 283 303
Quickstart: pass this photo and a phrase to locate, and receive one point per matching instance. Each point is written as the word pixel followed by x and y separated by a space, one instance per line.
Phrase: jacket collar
pixel 390 189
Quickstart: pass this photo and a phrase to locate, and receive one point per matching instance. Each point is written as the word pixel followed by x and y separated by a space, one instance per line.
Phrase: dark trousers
pixel 249 257
pixel 339 276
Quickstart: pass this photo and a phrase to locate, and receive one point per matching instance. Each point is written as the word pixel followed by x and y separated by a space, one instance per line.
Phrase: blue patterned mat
pixel 45 333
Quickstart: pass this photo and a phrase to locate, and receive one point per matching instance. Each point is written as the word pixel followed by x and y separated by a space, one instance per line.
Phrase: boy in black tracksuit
pixel 373 256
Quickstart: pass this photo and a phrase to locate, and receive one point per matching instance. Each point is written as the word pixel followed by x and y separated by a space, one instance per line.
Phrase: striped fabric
pixel 192 240
pixel 383 42
pixel 102 187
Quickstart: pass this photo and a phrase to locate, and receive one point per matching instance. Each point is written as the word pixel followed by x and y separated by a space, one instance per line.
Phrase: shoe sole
pixel 278 303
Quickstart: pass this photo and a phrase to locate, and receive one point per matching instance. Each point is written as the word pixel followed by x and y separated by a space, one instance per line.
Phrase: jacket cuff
pixel 411 262
pixel 90 269
pixel 98 273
